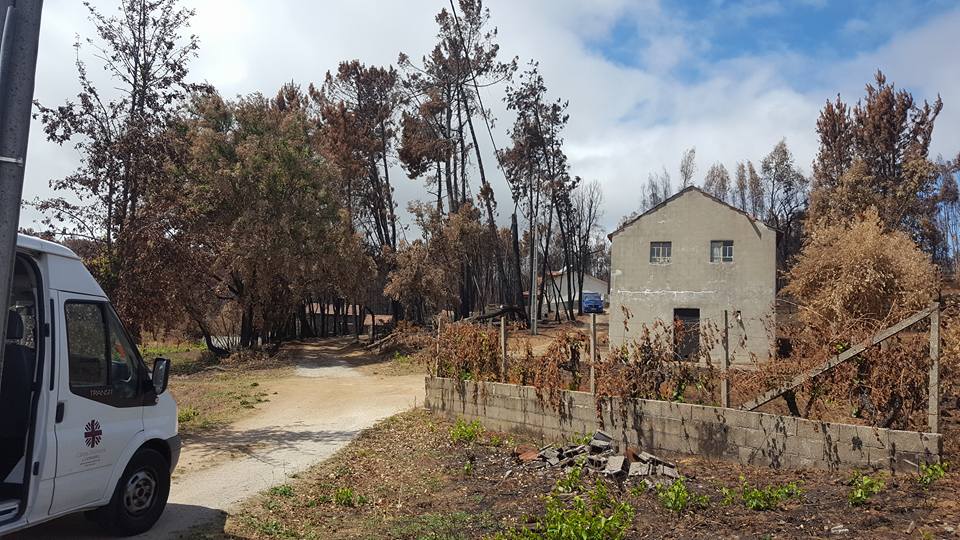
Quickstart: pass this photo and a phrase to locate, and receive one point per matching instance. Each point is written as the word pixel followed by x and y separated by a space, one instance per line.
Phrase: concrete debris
pixel 616 465
pixel 600 456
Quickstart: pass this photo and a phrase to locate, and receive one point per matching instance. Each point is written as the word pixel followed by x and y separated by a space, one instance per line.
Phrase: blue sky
pixel 646 79
pixel 714 31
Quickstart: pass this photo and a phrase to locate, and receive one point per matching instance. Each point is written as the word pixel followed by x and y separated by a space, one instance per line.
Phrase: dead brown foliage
pixel 648 367
pixel 850 281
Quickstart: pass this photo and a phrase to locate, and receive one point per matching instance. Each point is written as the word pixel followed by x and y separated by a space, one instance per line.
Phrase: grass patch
pixel 214 399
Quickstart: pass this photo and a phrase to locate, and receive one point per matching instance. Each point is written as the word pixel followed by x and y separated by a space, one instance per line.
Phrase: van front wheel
pixel 140 495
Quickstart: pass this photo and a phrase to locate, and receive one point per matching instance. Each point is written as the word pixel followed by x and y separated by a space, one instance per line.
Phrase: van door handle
pixel 60 410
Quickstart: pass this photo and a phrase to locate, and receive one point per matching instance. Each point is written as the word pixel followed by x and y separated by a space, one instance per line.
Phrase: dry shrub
pixel 849 282
pixel 558 368
pixel 648 367
pixel 411 337
pixel 468 352
pixel 849 277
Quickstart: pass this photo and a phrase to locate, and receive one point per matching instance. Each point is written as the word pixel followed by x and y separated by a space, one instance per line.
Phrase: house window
pixel 660 252
pixel 721 251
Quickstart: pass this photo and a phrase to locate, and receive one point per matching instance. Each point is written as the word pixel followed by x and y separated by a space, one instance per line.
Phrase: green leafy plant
pixel 768 498
pixel 593 515
pixel 570 482
pixel 283 490
pixel 347 497
pixel 187 414
pixel 677 498
pixel 729 496
pixel 932 472
pixel 862 487
pixel 466 432
pixel 581 439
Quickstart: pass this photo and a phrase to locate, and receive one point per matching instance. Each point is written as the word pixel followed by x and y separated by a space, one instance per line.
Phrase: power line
pixel 476 87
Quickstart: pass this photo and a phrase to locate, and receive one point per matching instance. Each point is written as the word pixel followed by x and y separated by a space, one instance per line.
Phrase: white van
pixel 84 426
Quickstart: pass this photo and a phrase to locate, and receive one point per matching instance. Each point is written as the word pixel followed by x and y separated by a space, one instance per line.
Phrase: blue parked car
pixel 592 302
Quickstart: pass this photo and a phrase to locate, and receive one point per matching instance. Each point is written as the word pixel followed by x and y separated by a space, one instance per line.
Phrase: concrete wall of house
pixel 690 280
pixel 668 428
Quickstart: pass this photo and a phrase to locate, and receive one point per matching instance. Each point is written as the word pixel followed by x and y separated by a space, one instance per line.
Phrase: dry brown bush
pixel 647 367
pixel 558 369
pixel 859 276
pixel 849 282
pixel 468 352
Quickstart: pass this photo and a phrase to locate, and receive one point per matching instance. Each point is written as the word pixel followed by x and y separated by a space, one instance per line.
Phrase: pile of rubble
pixel 599 455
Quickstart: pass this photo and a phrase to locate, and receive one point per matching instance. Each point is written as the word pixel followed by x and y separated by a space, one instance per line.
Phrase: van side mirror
pixel 161 375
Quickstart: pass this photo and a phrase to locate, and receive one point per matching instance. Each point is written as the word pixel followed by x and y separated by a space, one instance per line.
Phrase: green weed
pixel 768 498
pixel 862 487
pixel 570 482
pixel 347 497
pixel 595 514
pixel 466 432
pixel 283 490
pixel 676 497
pixel 932 472
pixel 187 414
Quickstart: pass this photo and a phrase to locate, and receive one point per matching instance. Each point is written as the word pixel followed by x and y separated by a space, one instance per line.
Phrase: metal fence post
pixel 593 353
pixel 725 368
pixel 933 403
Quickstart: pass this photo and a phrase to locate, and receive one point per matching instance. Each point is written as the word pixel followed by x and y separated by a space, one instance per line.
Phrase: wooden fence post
pixel 436 358
pixel 503 348
pixel 933 403
pixel 725 368
pixel 593 352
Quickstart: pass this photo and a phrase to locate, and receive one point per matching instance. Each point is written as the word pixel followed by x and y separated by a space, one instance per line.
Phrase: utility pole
pixel 18 66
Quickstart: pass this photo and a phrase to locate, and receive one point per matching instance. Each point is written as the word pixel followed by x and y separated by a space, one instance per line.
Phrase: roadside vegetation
pixel 406 478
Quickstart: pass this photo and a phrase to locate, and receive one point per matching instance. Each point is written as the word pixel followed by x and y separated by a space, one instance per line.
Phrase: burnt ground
pixel 405 479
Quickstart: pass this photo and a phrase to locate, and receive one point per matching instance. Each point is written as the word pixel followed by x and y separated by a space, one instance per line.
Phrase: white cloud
pixel 624 121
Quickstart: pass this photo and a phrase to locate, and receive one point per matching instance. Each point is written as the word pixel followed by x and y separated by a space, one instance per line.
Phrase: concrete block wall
pixel 680 428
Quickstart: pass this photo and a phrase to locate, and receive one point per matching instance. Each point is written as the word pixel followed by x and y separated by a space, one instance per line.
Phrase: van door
pixel 99 400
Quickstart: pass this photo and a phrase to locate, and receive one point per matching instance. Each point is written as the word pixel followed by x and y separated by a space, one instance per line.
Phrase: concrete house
pixel 688 259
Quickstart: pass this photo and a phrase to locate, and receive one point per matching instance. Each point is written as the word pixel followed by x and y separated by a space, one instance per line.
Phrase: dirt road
pixel 330 398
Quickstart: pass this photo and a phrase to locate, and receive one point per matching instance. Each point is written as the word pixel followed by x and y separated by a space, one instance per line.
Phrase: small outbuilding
pixel 556 291
pixel 688 260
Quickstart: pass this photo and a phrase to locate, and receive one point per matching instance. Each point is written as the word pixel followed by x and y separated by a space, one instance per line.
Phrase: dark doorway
pixel 686 333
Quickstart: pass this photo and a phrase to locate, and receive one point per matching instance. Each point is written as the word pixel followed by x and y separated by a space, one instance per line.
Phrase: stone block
pixel 809 429
pixel 778 425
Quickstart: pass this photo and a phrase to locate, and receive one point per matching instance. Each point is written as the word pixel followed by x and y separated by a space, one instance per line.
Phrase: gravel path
pixel 314 413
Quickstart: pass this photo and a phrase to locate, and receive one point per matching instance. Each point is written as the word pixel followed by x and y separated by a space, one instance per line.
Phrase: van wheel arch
pixel 158 445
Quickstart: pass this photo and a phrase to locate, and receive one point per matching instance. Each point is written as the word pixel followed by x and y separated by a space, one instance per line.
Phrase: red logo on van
pixel 92 433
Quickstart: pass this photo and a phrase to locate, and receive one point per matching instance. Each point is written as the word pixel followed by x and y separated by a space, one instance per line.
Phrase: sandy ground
pixel 328 400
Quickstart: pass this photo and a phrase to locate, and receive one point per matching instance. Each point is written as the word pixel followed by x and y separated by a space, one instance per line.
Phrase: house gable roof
pixel 676 196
